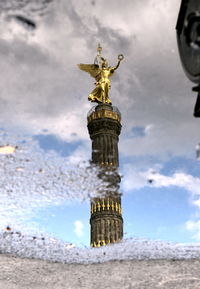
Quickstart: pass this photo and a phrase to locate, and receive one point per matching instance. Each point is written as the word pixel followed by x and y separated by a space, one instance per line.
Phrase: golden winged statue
pixel 101 72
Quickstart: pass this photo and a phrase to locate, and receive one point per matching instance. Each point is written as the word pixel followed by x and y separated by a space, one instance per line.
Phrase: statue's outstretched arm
pixel 114 68
pixel 120 58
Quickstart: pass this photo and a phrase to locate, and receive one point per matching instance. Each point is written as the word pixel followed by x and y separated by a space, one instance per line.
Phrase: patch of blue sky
pixel 59 221
pixel 187 165
pixel 137 131
pixel 51 142
pixel 141 160
pixel 167 167
pixel 158 213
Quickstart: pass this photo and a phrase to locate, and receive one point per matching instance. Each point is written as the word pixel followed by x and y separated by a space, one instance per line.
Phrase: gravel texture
pixel 19 273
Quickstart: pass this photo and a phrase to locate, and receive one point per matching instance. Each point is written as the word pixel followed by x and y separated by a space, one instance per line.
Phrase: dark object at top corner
pixel 188 38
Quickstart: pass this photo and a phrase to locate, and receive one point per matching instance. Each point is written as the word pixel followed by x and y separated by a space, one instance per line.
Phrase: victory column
pixel 104 126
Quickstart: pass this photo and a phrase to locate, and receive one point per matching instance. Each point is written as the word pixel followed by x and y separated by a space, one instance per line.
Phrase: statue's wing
pixel 92 69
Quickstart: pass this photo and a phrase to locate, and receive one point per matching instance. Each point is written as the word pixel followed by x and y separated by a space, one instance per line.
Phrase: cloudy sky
pixel 43 111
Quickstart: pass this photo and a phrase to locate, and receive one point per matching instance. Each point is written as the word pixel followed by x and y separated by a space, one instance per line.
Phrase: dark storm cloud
pixel 27 67
pixel 27 6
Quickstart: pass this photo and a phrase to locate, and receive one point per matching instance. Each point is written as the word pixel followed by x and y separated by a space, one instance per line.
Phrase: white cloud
pixel 135 178
pixel 80 155
pixel 181 180
pixel 79 228
pixel 194 228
